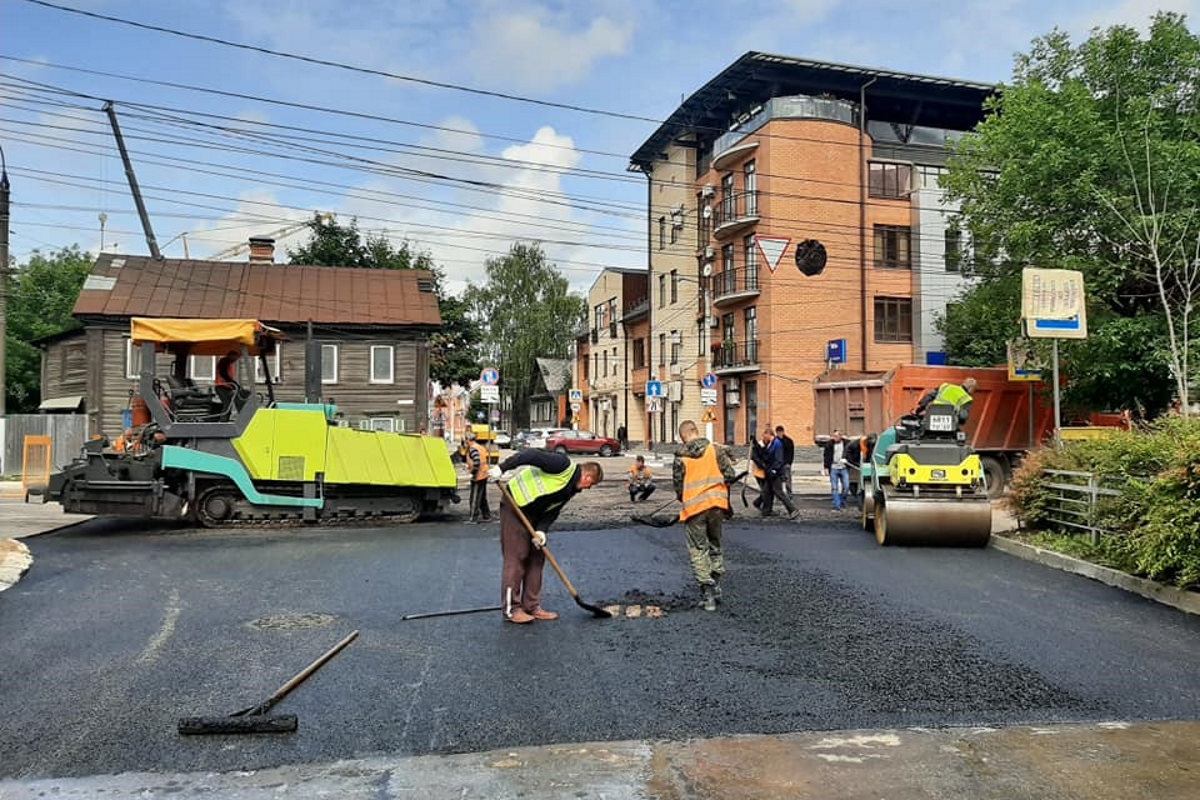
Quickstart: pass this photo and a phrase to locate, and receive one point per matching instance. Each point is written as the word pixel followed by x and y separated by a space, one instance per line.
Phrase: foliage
pixel 530 314
pixel 1155 521
pixel 42 295
pixel 453 354
pixel 1089 161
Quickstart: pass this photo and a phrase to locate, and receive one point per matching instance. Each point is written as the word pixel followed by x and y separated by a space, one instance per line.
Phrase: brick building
pixel 794 204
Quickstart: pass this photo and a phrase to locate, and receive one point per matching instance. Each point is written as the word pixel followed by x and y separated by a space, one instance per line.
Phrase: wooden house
pixel 373 324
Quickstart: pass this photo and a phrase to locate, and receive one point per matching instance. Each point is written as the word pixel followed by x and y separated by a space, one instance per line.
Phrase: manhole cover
pixel 292 621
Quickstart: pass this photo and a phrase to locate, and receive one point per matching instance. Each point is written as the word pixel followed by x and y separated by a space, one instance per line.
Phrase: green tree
pixel 1090 160
pixel 453 353
pixel 529 313
pixel 42 294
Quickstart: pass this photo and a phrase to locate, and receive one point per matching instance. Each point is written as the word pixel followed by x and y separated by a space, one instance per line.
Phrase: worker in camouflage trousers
pixel 701 473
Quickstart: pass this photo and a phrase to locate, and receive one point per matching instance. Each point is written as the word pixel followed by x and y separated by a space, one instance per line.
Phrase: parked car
pixel 582 442
pixel 503 439
pixel 519 441
pixel 538 436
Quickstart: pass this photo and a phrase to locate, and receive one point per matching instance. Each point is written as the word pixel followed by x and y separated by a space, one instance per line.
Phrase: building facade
pixel 815 231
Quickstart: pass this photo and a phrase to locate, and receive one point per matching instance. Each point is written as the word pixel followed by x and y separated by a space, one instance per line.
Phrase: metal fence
pixel 67 433
pixel 1076 498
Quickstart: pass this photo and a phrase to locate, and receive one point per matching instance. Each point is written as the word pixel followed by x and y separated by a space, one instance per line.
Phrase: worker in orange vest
pixel 701 474
pixel 478 464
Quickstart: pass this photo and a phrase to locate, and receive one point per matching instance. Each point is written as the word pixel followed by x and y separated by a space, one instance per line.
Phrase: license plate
pixel 941 422
pixel 938 474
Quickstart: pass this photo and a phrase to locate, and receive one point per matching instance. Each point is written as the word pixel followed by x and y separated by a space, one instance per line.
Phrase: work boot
pixel 710 597
pixel 520 617
pixel 716 586
pixel 544 615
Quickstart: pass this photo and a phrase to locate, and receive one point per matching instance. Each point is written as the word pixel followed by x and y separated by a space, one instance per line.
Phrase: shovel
pixel 597 612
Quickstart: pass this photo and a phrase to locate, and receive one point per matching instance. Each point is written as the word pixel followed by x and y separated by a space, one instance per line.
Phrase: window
pixel 751 176
pixel 953 253
pixel 729 332
pixel 751 320
pixel 676 346
pixel 662 233
pixel 892 247
pixel 383 363
pixel 662 290
pixel 612 317
pixel 329 363
pixel 202 368
pixel 727 198
pixel 893 319
pixel 605 373
pixel 890 181
pixel 674 286
pixel 639 353
pixel 596 364
pixel 662 349
pixel 387 424
pixel 600 312
pixel 273 360
pixel 133 360
pixel 751 282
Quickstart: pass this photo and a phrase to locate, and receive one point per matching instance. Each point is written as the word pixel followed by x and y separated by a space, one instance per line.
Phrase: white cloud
pixel 535 51
pixel 258 213
pixel 1137 13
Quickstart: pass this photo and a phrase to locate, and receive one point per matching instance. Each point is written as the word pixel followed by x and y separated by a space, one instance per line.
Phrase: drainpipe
pixel 650 297
pixel 862 213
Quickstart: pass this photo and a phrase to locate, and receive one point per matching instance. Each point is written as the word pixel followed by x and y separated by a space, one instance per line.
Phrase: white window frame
pixel 378 425
pixel 196 374
pixel 391 376
pixel 326 349
pixel 132 353
pixel 258 376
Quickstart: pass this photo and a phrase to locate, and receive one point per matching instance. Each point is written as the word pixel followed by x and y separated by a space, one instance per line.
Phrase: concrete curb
pixel 15 561
pixel 1188 602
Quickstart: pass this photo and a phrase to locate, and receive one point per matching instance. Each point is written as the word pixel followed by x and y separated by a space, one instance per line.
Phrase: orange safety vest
pixel 703 485
pixel 481 474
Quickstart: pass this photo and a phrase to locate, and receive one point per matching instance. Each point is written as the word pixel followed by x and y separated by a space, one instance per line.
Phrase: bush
pixel 1156 520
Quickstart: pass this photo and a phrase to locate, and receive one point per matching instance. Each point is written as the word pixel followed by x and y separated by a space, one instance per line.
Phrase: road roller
pixel 925 485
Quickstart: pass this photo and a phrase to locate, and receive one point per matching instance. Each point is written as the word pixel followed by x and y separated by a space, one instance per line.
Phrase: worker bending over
pixel 950 394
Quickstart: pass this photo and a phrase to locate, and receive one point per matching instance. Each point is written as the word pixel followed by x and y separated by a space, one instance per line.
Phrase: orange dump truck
pixel 1008 418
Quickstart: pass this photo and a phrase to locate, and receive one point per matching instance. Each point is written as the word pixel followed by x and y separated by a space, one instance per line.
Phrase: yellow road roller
pixel 925 485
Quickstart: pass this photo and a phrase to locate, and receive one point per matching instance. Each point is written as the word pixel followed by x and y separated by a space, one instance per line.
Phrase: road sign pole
pixel 1057 406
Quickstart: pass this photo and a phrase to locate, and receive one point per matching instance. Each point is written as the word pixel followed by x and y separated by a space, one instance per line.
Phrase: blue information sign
pixel 708 381
pixel 654 389
pixel 835 351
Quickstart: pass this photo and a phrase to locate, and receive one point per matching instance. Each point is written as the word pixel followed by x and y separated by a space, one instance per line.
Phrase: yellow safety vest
pixel 952 394
pixel 529 483
pixel 703 485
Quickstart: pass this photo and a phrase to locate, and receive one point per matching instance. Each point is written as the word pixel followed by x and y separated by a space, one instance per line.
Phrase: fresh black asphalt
pixel 118 631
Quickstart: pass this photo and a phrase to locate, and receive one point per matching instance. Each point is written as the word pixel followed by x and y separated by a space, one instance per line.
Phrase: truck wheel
pixel 996 475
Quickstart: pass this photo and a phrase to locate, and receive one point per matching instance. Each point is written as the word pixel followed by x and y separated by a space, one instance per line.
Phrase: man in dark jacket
pixel 541 483
pixel 774 470
pixel 789 458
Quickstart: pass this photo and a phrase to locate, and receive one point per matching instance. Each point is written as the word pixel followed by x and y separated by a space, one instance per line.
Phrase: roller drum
pixel 951 522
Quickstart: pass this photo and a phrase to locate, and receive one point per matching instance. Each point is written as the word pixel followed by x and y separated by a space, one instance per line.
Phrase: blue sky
pixel 459 174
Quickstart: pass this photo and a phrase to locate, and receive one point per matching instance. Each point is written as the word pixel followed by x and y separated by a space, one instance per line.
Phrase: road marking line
pixel 165 632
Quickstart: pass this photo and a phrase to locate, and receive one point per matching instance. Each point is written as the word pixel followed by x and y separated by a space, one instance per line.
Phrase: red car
pixel 582 442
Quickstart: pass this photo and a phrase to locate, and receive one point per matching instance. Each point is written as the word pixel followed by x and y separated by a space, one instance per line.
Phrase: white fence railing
pixel 67 434
pixel 1076 498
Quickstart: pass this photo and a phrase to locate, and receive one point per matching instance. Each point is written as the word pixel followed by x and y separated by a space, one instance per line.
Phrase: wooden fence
pixel 67 434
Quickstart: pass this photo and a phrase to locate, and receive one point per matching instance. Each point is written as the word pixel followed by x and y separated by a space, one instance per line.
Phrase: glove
pixel 539 539
pixel 494 473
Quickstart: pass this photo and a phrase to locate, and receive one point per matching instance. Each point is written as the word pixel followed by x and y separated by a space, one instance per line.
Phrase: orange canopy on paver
pixel 207 337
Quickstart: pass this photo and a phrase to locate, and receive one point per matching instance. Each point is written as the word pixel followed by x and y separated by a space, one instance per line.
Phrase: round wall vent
pixel 811 257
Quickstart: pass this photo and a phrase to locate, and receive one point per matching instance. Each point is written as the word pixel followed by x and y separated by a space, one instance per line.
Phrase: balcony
pixel 635 310
pixel 732 285
pixel 732 356
pixel 795 107
pixel 735 213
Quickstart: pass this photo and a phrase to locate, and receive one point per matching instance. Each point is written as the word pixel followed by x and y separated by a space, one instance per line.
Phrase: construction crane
pixel 286 230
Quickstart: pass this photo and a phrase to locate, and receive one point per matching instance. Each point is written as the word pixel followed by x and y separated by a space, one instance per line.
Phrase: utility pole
pixel 3 275
pixel 133 184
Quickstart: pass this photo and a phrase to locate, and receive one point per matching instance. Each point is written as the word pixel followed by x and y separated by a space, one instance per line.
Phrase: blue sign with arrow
pixel 708 381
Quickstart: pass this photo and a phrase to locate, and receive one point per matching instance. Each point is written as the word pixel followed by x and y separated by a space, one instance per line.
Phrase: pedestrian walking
pixel 478 464
pixel 623 438
pixel 640 482
pixel 774 482
pixel 837 467
pixel 700 475
pixel 758 468
pixel 541 483
pixel 789 458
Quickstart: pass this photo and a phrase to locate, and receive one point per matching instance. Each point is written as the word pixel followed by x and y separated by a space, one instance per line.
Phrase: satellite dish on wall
pixel 707 270
pixel 811 257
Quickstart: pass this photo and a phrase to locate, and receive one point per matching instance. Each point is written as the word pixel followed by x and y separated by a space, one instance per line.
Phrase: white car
pixel 503 439
pixel 538 436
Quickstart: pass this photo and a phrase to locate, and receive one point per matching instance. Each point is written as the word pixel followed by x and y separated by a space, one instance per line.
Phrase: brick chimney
pixel 262 250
